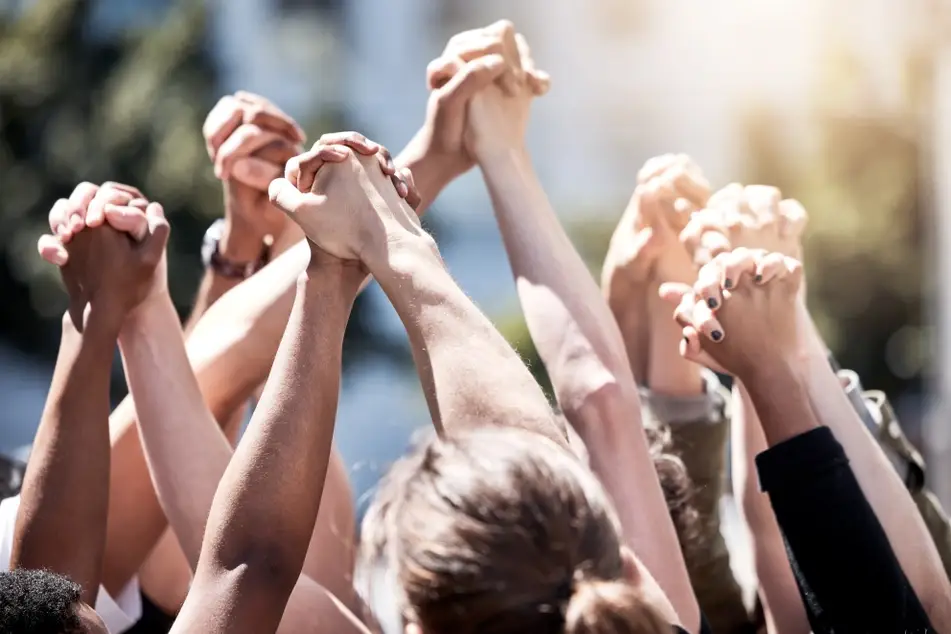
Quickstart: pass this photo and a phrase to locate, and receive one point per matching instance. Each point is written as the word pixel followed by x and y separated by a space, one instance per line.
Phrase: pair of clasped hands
pixel 729 262
pixel 345 193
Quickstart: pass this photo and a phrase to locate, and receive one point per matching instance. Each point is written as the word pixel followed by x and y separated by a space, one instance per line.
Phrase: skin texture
pixel 576 336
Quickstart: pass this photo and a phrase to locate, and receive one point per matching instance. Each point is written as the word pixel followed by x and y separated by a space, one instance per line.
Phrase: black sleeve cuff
pixel 801 458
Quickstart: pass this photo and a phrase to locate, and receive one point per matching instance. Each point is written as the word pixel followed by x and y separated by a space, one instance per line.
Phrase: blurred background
pixel 844 105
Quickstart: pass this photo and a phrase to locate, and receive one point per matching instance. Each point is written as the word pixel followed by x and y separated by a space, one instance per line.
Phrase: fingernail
pixel 716 335
pixel 712 302
pixel 758 279
pixel 59 259
pixel 727 283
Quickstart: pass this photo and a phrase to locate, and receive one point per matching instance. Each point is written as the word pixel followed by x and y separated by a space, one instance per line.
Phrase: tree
pixel 76 106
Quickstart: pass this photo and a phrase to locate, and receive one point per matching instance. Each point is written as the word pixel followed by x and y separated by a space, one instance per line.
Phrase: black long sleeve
pixel 847 573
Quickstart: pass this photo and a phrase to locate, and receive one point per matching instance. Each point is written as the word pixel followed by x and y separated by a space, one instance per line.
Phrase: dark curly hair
pixel 38 602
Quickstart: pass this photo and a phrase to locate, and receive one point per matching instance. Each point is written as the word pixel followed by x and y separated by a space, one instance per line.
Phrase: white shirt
pixel 119 613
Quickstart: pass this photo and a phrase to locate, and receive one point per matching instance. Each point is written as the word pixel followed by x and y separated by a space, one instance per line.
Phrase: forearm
pixel 186 451
pixel 210 290
pixel 573 329
pixel 631 317
pixel 242 245
pixel 470 374
pixel 880 483
pixel 232 347
pixel 265 509
pixel 777 585
pixel 668 373
pixel 609 424
pixel 67 481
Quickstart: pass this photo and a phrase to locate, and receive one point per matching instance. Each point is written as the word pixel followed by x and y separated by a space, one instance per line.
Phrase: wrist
pixel 92 324
pixel 140 319
pixel 327 271
pixel 491 156
pixel 403 255
pixel 432 170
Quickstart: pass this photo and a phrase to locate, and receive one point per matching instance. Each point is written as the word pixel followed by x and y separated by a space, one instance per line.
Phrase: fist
pixel 754 217
pixel 110 244
pixel 742 313
pixel 352 211
pixel 249 139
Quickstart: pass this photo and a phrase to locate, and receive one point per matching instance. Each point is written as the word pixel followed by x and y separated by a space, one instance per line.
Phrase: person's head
pixel 501 531
pixel 42 602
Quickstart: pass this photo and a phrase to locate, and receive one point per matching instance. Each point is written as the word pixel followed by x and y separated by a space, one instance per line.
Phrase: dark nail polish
pixel 716 335
pixel 728 283
pixel 758 279
pixel 712 302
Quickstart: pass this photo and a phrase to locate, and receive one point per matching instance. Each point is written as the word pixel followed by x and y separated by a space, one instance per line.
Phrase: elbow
pixel 261 565
pixel 581 383
pixel 606 408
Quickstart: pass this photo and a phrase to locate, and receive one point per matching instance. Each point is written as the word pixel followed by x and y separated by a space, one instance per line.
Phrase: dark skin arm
pixel 61 525
pixel 264 512
pixel 67 482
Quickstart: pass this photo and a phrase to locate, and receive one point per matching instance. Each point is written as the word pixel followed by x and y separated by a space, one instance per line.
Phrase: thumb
pixel 473 77
pixel 286 196
pixel 674 292
pixel 157 236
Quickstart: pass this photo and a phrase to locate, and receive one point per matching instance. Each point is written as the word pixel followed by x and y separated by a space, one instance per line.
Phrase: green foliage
pixel 75 108
pixel 865 246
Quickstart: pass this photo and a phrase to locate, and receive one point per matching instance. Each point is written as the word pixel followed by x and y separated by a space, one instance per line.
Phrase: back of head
pixel 611 607
pixel 38 602
pixel 501 531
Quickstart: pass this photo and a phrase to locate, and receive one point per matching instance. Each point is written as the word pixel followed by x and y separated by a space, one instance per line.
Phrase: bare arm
pixel 67 481
pixel 264 512
pixel 778 591
pixel 470 374
pixel 579 341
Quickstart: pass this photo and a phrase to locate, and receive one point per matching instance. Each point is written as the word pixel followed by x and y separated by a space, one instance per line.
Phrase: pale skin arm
pixel 453 344
pixel 264 512
pixel 668 373
pixel 782 603
pixel 583 351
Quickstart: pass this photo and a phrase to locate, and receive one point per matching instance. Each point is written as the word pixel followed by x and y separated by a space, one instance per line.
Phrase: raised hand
pixel 645 245
pixel 109 243
pixel 249 139
pixel 742 315
pixel 471 61
pixel 498 114
pixel 301 170
pixel 352 210
pixel 755 217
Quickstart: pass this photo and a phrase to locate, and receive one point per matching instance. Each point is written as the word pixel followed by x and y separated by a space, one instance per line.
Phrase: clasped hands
pixel 728 261
pixel 341 200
